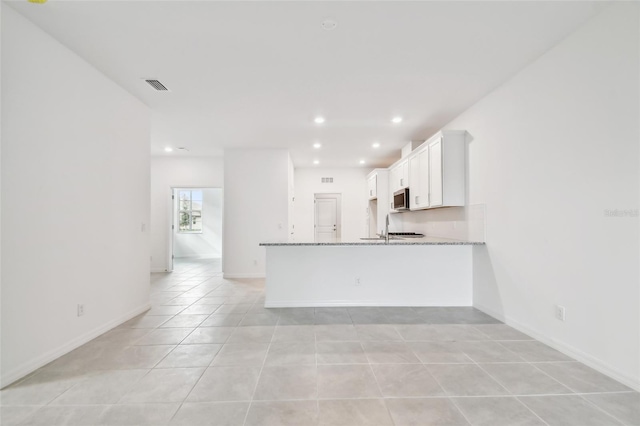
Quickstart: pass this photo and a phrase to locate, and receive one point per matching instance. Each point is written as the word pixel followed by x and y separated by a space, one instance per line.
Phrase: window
pixel 189 211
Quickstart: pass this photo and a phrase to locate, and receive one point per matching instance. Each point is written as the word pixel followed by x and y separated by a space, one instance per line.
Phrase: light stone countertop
pixel 392 242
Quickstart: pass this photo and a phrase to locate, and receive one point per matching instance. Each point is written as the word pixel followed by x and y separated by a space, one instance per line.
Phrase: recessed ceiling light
pixel 376 145
pixel 396 120
pixel 316 162
pixel 317 145
pixel 361 161
pixel 319 120
pixel 168 149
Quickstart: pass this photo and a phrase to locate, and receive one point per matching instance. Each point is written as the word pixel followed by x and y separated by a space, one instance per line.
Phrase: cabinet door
pixel 435 173
pixel 416 188
pixel 404 175
pixel 392 188
pixel 394 180
pixel 372 185
pixel 423 178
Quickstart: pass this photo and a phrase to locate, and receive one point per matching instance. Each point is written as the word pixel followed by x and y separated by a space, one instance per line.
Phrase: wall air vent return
pixel 157 85
pixel 327 180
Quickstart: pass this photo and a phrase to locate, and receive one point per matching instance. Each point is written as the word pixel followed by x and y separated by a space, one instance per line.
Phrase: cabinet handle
pixel 391 205
pixel 401 179
pixel 371 192
pixel 416 200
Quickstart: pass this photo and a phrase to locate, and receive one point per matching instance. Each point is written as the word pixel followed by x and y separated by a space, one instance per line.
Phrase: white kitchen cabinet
pixel 372 186
pixel 437 171
pixel 378 195
pixel 419 177
pixel 393 179
pixel 404 174
pixel 399 176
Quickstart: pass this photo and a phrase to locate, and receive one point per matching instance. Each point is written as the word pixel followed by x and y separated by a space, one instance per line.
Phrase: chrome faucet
pixel 386 230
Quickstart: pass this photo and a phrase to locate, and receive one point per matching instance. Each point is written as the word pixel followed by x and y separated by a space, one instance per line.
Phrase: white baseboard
pixel 253 275
pixel 591 361
pixel 42 360
pixel 359 303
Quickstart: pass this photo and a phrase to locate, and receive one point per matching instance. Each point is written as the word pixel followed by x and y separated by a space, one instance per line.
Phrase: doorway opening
pixel 327 218
pixel 196 229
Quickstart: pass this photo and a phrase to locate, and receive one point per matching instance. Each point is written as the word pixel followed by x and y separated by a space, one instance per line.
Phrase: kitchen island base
pixel 368 275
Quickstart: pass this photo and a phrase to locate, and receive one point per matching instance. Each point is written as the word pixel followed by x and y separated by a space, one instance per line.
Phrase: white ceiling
pixel 255 74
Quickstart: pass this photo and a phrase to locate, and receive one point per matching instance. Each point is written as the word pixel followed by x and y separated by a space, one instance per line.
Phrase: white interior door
pixel 327 218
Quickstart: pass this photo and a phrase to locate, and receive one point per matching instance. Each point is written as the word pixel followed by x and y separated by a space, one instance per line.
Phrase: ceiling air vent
pixel 326 180
pixel 157 85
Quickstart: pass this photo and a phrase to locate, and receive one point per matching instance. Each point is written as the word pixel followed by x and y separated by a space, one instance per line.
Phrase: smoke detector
pixel 329 24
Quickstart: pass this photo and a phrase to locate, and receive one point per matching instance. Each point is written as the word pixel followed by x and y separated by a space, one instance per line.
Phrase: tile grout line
pixel 315 347
pixel 203 371
pixel 597 407
pixel 164 357
pixel 382 396
pixel 449 398
pixel 264 361
pixel 324 399
pixel 510 393
pixel 531 410
pixel 553 378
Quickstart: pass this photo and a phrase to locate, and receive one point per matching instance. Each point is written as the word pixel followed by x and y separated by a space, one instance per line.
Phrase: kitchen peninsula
pixel 411 272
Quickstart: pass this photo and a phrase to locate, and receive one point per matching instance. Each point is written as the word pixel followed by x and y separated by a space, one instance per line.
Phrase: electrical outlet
pixel 560 313
pixel 80 310
pixel 357 283
pixel 255 262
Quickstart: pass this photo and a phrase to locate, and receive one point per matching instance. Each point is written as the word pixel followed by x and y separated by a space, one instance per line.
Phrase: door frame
pixel 338 197
pixel 171 214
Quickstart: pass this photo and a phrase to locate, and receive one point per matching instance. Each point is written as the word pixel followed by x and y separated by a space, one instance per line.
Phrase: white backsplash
pixel 459 223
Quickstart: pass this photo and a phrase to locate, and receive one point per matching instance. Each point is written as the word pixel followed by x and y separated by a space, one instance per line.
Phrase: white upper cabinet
pixel 419 178
pixel 372 185
pixel 399 176
pixel 379 201
pixel 437 172
pixel 404 174
pixel 394 179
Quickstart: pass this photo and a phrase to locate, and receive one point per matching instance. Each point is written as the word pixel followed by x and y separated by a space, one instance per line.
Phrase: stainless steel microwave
pixel 401 199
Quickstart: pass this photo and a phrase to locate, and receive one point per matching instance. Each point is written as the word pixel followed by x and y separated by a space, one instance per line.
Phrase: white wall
pixel 458 223
pixel 350 182
pixel 552 150
pixel 208 243
pixel 255 207
pixel 75 169
pixel 174 171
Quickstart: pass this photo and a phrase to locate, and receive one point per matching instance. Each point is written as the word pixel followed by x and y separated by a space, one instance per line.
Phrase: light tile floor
pixel 209 353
